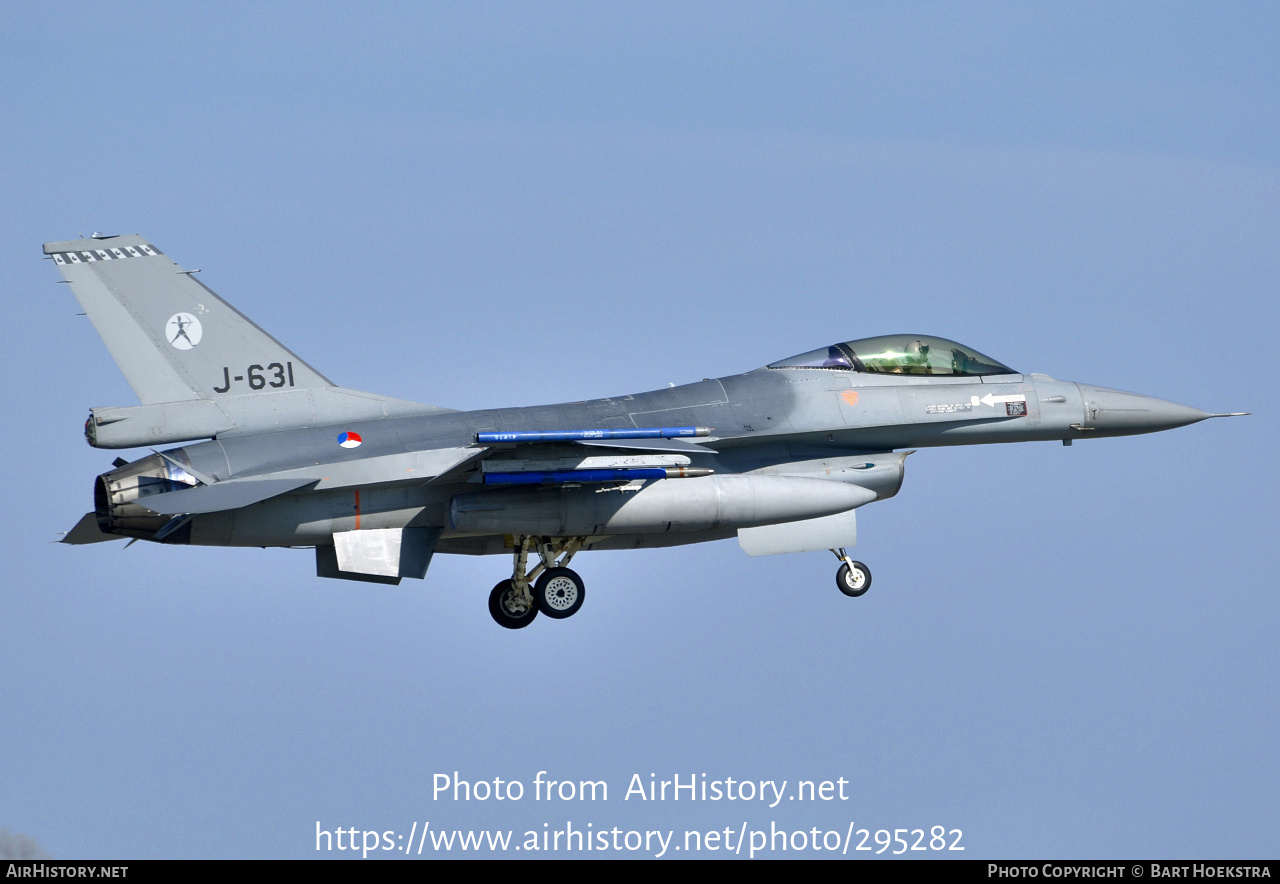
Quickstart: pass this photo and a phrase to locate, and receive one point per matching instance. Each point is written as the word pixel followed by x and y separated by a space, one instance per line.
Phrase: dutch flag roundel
pixel 349 440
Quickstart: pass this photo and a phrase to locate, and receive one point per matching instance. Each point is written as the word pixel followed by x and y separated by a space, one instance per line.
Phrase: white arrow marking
pixel 992 400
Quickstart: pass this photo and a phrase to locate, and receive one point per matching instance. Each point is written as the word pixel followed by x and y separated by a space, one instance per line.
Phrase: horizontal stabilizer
pixel 87 531
pixel 222 496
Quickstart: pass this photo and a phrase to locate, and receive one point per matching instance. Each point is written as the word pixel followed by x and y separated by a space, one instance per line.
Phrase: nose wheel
pixel 854 578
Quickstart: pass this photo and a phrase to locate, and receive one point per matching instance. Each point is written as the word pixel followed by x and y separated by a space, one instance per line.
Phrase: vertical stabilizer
pixel 173 338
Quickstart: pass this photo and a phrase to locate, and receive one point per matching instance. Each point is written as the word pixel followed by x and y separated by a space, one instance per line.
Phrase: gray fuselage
pixel 794 422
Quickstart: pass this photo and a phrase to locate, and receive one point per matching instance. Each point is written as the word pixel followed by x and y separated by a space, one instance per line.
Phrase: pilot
pixel 915 358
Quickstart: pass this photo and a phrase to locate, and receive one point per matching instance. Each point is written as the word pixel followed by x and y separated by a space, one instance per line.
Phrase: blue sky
pixel 1066 652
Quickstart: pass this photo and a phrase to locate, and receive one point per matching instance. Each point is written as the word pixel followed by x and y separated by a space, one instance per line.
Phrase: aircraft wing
pixel 466 459
pixel 414 467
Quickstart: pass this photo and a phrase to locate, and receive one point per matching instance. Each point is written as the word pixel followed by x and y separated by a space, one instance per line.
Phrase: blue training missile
pixel 586 435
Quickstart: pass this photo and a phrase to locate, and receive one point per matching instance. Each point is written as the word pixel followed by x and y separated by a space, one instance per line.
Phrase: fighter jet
pixel 780 457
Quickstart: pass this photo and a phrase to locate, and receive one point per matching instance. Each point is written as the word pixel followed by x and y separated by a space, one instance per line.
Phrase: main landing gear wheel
pixel 559 593
pixel 853 578
pixel 508 609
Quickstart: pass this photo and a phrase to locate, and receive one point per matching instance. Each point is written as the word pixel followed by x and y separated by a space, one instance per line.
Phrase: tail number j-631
pixel 273 375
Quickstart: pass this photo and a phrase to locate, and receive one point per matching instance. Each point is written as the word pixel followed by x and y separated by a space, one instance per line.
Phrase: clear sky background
pixel 1066 652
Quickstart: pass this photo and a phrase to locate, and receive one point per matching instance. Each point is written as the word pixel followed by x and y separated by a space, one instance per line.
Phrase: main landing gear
pixel 854 578
pixel 550 588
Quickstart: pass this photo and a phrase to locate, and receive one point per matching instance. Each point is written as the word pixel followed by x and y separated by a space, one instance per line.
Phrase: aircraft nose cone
pixel 1118 412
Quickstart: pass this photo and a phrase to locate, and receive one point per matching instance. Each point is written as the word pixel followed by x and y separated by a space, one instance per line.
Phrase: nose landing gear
pixel 558 592
pixel 854 578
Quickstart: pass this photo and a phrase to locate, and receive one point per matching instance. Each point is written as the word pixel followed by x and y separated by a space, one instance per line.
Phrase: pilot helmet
pixel 917 351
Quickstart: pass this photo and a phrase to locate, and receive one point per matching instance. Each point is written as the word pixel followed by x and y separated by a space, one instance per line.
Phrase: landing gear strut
pixel 854 578
pixel 549 587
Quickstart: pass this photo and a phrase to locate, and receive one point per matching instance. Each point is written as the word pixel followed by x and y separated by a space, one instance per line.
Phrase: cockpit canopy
pixel 899 354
